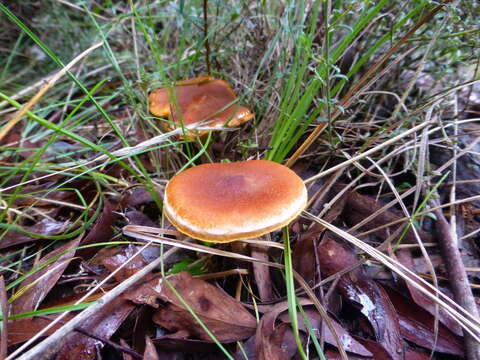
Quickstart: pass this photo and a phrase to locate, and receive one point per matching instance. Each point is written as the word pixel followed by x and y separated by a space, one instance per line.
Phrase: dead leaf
pixel 150 351
pixel 348 342
pixel 363 293
pixel 405 257
pixel 417 326
pixel 139 196
pixel 303 257
pixel 38 194
pixel 44 227
pixel 103 324
pixel 40 283
pixel 22 330
pixel 331 354
pixel 169 343
pixel 226 318
pixel 102 231
pixel 378 350
pixel 113 258
pixel 359 207
pixel 276 343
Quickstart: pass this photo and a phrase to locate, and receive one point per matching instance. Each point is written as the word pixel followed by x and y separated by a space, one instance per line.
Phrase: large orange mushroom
pixel 199 99
pixel 223 202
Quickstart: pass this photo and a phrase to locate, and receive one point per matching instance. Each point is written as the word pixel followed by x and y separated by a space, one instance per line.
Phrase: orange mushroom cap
pixel 223 202
pixel 202 98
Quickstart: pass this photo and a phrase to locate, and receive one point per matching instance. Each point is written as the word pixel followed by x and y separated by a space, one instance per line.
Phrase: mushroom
pixel 223 202
pixel 203 98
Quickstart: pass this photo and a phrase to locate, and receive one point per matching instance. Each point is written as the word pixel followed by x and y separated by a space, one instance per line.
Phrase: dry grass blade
pixel 51 81
pixel 368 152
pixel 123 152
pixel 421 213
pixel 470 323
pixel 154 235
pixel 4 307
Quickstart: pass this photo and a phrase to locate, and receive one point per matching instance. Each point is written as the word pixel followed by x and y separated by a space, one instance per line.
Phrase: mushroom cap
pixel 199 99
pixel 223 202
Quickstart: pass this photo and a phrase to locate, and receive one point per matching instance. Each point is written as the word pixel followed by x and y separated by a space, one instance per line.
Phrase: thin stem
pixel 205 33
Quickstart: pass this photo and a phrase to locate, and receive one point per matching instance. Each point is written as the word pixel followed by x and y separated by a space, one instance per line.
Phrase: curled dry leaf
pixel 40 283
pixel 274 342
pixel 364 293
pixel 225 317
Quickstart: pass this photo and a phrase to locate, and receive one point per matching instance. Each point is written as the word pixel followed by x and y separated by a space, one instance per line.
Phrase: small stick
pixel 458 276
pixel 205 33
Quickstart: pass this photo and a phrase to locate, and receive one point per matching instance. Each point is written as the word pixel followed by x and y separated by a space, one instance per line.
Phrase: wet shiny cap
pixel 224 202
pixel 203 98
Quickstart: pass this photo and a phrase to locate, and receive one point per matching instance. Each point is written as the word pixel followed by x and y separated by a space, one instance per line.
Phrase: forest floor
pixel 375 105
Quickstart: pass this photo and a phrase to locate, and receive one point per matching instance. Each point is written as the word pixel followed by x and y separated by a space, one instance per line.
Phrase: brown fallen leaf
pixel 113 258
pixel 304 259
pixel 21 330
pixel 225 317
pixel 102 231
pixel 169 343
pixel 332 354
pixel 138 218
pixel 275 342
pixel 44 227
pixel 412 354
pixel 405 257
pixel 378 350
pixel 364 293
pixel 139 196
pixel 359 207
pixel 39 194
pixel 150 351
pixel 348 342
pixel 102 324
pixel 40 283
pixel 417 326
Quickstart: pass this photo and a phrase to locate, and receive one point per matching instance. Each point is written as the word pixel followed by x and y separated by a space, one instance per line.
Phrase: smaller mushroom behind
pixel 203 98
pixel 223 202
